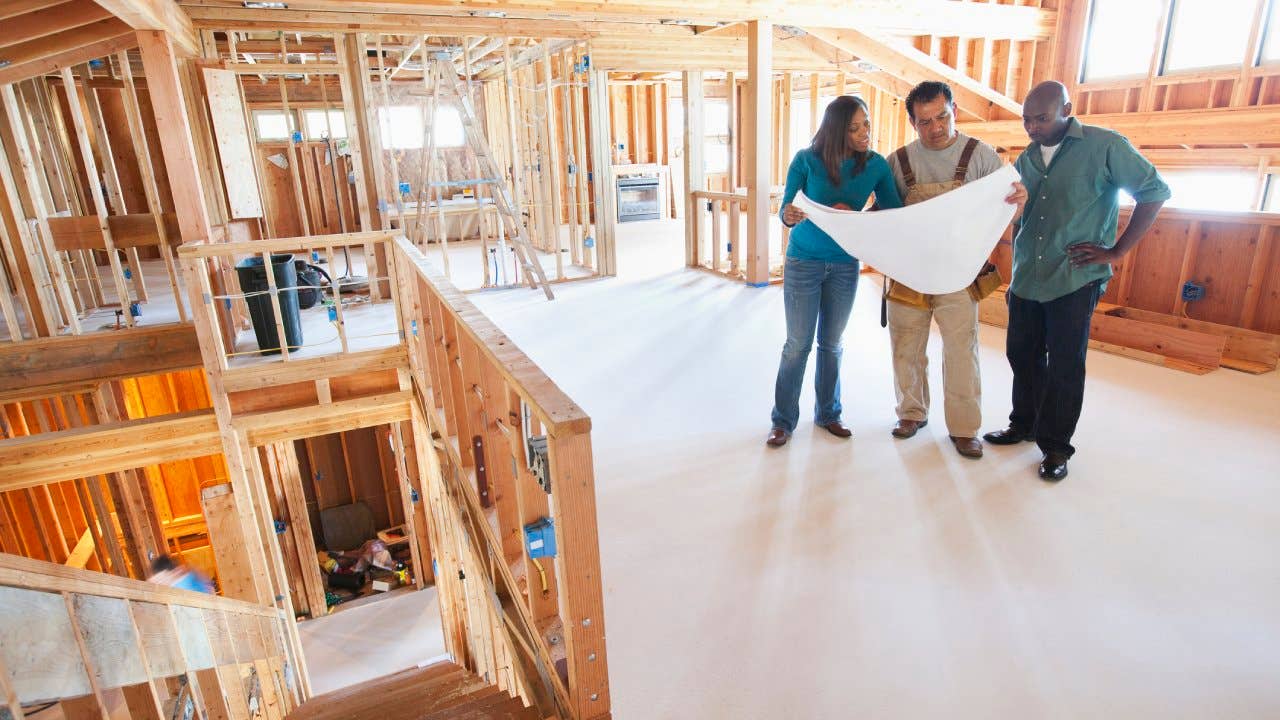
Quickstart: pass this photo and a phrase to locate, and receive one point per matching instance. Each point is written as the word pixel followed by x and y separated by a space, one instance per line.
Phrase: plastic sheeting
pixel 935 247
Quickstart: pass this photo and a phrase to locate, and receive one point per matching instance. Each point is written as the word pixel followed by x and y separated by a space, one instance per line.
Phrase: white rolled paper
pixel 935 247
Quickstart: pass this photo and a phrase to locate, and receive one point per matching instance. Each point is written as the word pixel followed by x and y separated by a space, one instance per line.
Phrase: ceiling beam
pixel 404 23
pixel 51 20
pixel 1224 126
pixel 157 15
pixel 893 17
pixel 79 55
pixel 913 66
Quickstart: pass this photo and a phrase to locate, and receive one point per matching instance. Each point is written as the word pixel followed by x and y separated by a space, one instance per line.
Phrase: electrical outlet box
pixel 1192 291
pixel 540 538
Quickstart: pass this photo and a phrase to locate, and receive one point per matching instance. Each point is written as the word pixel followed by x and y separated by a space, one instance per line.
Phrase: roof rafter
pixel 905 62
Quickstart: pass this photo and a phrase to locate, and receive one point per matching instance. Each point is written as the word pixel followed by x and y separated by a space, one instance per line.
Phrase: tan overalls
pixel 957 317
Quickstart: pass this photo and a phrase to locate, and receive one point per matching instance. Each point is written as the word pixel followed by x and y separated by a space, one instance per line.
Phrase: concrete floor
pixel 880 578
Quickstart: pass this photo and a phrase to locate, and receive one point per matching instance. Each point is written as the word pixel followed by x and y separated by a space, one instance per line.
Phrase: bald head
pixel 1046 112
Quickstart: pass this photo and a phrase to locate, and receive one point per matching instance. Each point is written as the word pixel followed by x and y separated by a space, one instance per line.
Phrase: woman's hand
pixel 792 215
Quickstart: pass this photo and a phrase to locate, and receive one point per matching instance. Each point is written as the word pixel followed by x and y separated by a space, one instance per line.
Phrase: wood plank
pixel 48 365
pixel 110 640
pixel 81 232
pixel 161 15
pixel 1223 126
pixel 38 644
pixel 235 148
pixel 277 426
pixel 68 454
pixel 1248 348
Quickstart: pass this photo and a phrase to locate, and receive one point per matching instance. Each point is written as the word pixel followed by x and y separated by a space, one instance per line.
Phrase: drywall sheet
pixel 937 246
pixel 235 149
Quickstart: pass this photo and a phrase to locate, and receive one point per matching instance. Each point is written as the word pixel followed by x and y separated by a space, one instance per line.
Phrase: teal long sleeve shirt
pixel 1076 199
pixel 808 173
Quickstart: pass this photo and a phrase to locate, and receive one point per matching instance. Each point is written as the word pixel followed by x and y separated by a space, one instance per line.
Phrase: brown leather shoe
pixel 777 437
pixel 970 447
pixel 837 428
pixel 908 428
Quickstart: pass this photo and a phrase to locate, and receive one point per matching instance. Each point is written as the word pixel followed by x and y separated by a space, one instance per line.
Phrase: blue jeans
pixel 1046 345
pixel 816 295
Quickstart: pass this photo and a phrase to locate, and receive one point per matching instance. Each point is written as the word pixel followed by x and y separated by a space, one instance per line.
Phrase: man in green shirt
pixel 1062 254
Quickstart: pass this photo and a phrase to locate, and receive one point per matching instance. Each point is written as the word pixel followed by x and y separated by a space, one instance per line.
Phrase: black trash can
pixel 253 279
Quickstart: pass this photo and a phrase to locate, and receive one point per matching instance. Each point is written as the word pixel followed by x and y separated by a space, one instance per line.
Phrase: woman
pixel 839 170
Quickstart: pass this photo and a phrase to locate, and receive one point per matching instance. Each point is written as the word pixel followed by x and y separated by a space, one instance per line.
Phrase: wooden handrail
pixel 18 571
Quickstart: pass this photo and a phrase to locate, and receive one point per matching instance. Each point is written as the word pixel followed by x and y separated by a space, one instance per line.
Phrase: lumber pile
pixel 1179 343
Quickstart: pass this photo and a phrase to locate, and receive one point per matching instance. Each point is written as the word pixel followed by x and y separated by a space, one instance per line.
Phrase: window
pixel 317 129
pixel 271 124
pixel 1209 33
pixel 1271 46
pixel 402 127
pixel 1271 201
pixel 801 138
pixel 715 129
pixel 1233 190
pixel 1117 44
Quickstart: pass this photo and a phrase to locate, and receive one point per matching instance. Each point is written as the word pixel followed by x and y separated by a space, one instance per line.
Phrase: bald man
pixel 1064 246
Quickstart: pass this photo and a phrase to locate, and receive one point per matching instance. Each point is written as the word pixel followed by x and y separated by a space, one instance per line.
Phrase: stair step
pixel 441 691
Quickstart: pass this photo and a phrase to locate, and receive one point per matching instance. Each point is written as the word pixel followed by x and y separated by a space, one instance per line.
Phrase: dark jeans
pixel 1046 346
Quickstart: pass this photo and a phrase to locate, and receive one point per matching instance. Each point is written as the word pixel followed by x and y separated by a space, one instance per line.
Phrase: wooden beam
pixel 51 20
pixel 36 366
pixel 279 425
pixel 267 375
pixel 759 139
pixel 694 175
pixel 913 66
pixel 43 458
pixel 161 15
pixel 1224 126
pixel 102 47
pixel 897 17
pixel 167 101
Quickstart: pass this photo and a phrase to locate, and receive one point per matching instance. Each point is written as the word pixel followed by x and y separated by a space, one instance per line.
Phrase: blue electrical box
pixel 404 188
pixel 296 136
pixel 1192 291
pixel 540 538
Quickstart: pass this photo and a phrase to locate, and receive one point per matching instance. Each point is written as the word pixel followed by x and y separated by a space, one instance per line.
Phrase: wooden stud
pixel 760 60
pixel 42 236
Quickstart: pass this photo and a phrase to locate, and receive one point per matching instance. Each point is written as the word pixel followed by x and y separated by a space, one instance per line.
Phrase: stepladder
pixel 448 89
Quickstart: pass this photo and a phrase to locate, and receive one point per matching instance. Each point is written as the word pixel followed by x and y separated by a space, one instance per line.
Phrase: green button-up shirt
pixel 1075 200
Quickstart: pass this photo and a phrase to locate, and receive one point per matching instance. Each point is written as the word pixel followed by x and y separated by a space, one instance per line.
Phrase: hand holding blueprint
pixel 935 247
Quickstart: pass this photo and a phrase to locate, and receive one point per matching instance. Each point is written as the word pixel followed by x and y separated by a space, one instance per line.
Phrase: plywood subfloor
pixel 372 640
pixel 877 578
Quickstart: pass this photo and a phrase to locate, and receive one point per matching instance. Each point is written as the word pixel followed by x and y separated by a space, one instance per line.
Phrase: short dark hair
pixel 925 92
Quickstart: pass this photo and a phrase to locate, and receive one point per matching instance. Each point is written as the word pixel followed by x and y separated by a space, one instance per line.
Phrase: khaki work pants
pixel 957 317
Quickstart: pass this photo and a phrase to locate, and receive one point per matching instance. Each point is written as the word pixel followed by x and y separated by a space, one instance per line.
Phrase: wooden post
pixel 694 168
pixel 142 153
pixel 159 62
pixel 357 126
pixel 759 140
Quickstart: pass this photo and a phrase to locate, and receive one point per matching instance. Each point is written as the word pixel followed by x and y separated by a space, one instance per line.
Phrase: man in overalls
pixel 942 159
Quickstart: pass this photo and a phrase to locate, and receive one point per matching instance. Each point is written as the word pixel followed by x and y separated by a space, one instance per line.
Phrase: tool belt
pixel 987 281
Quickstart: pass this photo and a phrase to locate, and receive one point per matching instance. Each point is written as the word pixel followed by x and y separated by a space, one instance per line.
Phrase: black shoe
pixel 1007 436
pixel 1054 467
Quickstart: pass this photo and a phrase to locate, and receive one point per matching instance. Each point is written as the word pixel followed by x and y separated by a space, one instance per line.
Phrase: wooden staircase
pixel 442 691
